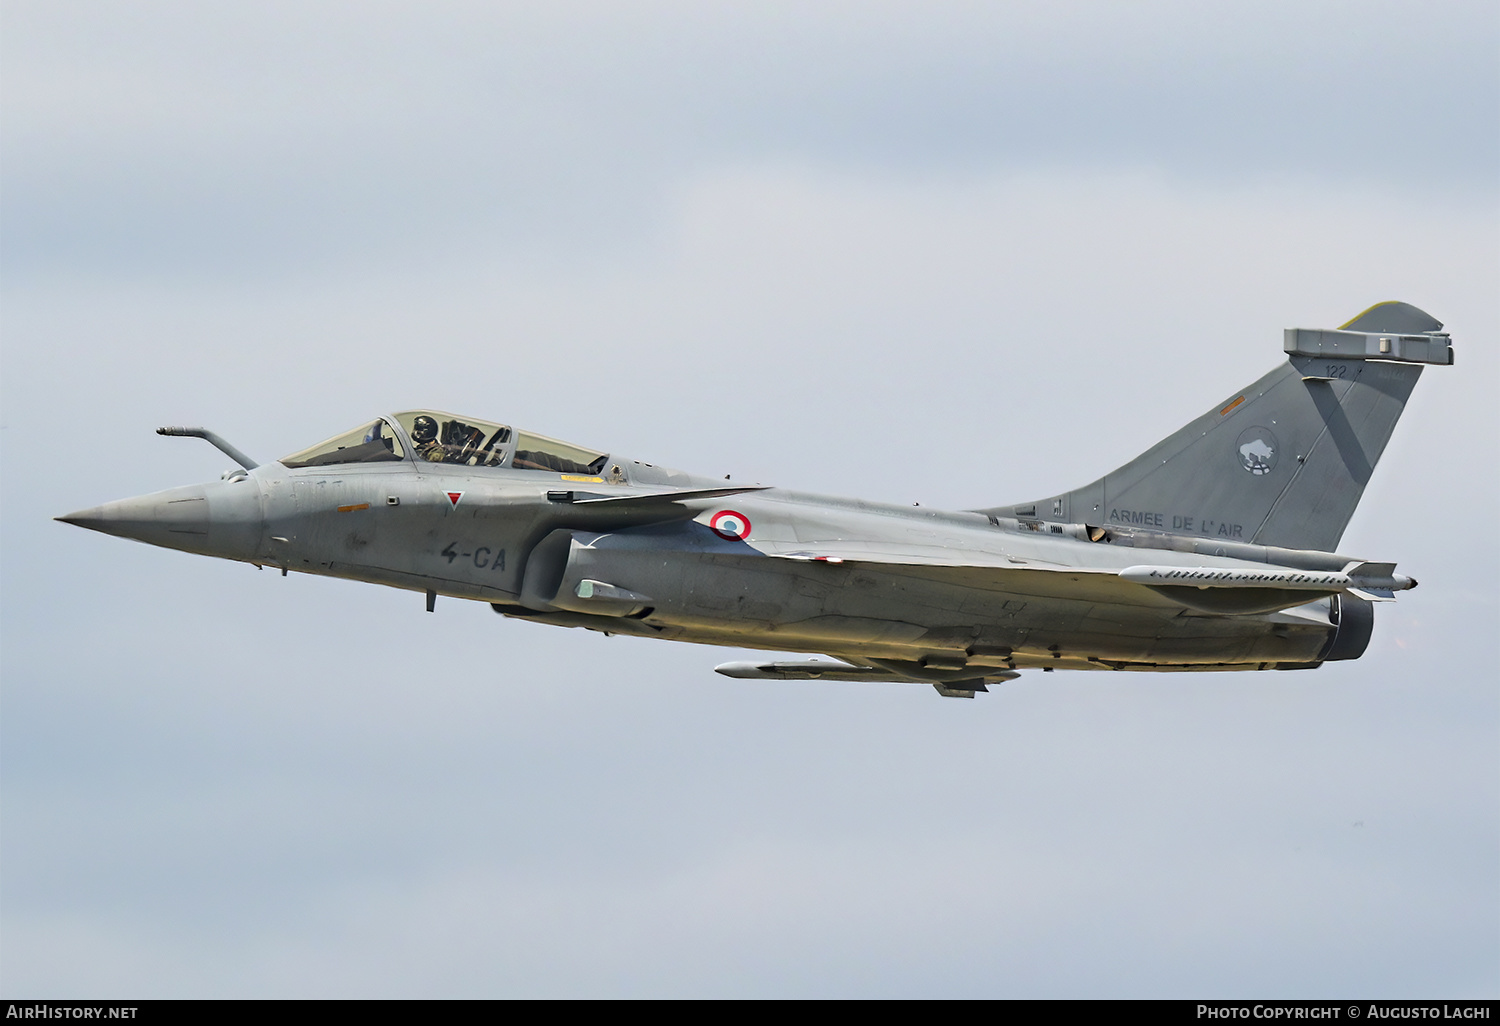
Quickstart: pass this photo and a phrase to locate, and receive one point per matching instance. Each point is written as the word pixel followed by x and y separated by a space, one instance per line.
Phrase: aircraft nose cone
pixel 91 518
pixel 215 520
pixel 148 518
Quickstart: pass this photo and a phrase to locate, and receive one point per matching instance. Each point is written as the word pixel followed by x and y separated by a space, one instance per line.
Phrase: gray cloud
pixel 181 139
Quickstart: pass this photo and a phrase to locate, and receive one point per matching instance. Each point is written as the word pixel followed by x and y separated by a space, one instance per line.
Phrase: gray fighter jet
pixel 1213 550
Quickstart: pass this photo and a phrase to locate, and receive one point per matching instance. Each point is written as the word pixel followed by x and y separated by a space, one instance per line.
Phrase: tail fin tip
pixel 1396 317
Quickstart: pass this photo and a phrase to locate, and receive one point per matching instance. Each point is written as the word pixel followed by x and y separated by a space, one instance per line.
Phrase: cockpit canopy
pixel 431 436
pixel 371 443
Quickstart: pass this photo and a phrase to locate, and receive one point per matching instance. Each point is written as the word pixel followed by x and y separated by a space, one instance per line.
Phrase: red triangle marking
pixel 453 497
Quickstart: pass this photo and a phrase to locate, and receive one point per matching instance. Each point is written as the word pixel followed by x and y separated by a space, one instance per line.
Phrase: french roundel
pixel 730 525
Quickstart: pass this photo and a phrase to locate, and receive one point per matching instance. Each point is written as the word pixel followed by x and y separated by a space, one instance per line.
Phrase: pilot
pixel 424 432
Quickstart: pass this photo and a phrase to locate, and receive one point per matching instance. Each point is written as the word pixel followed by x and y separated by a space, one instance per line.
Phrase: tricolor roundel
pixel 729 525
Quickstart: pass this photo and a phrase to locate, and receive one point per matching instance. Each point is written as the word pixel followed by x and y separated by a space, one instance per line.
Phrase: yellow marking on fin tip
pixel 1357 316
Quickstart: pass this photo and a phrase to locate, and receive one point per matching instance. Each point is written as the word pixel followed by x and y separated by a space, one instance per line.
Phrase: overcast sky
pixel 961 254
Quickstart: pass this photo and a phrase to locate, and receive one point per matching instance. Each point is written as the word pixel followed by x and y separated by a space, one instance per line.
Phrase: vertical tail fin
pixel 1283 461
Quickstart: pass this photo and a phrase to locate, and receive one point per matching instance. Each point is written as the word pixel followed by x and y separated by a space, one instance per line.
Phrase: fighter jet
pixel 1212 550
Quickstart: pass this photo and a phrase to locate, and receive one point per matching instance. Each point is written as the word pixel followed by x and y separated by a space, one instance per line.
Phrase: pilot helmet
pixel 423 430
